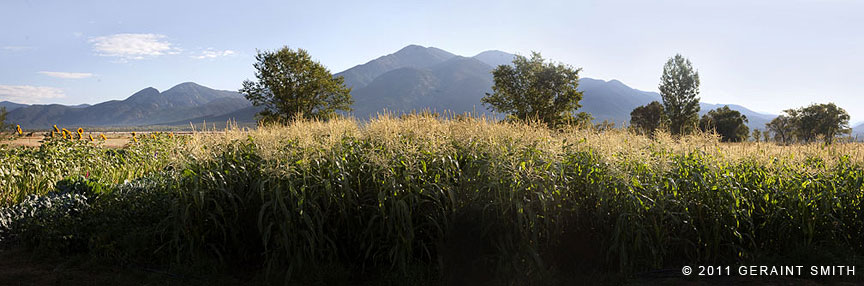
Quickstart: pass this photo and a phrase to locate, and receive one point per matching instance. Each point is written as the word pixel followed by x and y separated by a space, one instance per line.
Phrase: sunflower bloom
pixel 19 130
pixel 56 129
pixel 103 137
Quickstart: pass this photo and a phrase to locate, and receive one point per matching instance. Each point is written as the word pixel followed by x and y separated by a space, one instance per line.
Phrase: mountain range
pixel 858 130
pixel 146 107
pixel 413 78
pixel 416 78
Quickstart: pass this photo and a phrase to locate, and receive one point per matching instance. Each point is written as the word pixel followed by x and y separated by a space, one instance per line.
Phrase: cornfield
pixel 458 197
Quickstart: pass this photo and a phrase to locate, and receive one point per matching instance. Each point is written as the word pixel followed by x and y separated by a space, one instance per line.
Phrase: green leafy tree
pixel 679 87
pixel 757 135
pixel 606 125
pixel 781 127
pixel 533 89
pixel 647 118
pixel 3 124
pixel 825 121
pixel 730 124
pixel 290 83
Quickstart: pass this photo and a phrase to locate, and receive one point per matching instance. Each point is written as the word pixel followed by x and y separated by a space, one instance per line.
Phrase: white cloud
pixel 29 94
pixel 212 54
pixel 16 48
pixel 133 46
pixel 67 75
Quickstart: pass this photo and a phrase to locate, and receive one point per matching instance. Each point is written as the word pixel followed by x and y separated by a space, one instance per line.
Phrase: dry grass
pixel 414 134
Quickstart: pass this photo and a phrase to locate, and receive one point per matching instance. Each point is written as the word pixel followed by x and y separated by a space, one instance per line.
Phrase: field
pixel 421 200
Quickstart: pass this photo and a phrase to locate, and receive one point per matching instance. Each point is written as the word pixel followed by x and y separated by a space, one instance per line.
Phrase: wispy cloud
pixel 67 75
pixel 29 94
pixel 133 46
pixel 212 54
pixel 16 48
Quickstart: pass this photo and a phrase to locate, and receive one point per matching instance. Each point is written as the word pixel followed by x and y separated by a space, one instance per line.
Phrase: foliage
pixel 730 124
pixel 813 123
pixel 819 121
pixel 679 87
pixel 290 84
pixel 756 135
pixel 83 216
pixel 49 223
pixel 26 171
pixel 647 118
pixel 501 203
pixel 3 124
pixel 782 128
pixel 532 89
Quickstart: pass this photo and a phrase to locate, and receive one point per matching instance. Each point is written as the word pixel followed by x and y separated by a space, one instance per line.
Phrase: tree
pixel 3 124
pixel 534 89
pixel 290 83
pixel 647 118
pixel 782 128
pixel 826 121
pixel 730 124
pixel 757 135
pixel 679 87
pixel 606 125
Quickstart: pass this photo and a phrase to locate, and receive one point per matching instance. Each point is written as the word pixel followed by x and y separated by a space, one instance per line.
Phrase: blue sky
pixel 766 55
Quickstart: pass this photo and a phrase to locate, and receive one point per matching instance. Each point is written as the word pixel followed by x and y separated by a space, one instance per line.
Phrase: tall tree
pixel 532 88
pixel 825 121
pixel 679 87
pixel 290 83
pixel 647 118
pixel 3 124
pixel 757 135
pixel 730 124
pixel 782 128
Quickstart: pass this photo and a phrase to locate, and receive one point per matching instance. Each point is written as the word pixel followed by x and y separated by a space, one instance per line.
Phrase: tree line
pixel 679 87
pixel 291 84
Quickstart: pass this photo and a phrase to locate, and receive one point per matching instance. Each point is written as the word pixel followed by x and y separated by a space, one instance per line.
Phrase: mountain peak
pixel 411 47
pixel 147 90
pixel 144 93
pixel 411 56
pixel 494 52
pixel 495 58
pixel 416 51
pixel 617 82
pixel 148 106
pixel 188 84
